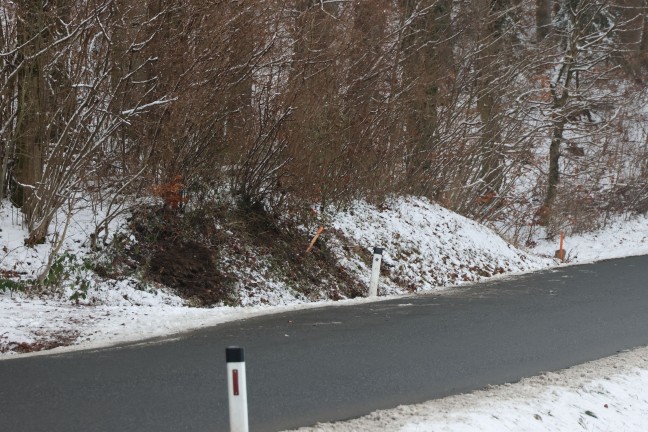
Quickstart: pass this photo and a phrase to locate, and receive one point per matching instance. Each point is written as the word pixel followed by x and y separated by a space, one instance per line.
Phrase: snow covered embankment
pixel 427 246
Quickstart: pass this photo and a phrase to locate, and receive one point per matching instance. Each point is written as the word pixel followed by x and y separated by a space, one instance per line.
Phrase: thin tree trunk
pixel 491 168
pixel 4 165
pixel 643 45
pixel 5 113
pixel 553 179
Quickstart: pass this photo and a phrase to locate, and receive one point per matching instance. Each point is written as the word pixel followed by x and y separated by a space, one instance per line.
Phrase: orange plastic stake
pixel 320 230
pixel 562 238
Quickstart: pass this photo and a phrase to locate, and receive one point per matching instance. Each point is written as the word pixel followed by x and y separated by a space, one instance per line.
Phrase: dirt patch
pixel 190 269
pixel 223 254
pixel 46 342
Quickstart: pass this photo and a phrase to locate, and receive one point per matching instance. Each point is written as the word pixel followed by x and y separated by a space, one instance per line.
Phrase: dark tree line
pixel 503 110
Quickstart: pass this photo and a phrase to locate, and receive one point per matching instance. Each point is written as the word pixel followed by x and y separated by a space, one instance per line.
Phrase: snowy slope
pixel 427 246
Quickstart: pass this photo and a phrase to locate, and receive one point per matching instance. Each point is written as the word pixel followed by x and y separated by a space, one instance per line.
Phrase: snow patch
pixel 604 395
pixel 428 247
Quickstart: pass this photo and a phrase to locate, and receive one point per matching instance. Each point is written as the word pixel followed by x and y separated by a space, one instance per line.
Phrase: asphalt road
pixel 336 363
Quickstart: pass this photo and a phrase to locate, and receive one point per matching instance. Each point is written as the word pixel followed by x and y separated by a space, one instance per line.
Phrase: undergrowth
pixel 223 255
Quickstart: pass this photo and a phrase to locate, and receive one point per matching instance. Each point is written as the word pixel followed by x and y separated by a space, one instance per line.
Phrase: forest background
pixel 522 115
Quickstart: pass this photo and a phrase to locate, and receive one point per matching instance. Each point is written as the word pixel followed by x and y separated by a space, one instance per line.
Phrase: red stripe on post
pixel 235 381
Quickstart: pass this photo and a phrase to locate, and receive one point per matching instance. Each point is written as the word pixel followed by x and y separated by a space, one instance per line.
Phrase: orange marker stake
pixel 562 238
pixel 320 230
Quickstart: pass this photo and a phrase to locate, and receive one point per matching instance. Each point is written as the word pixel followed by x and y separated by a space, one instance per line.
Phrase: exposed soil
pixel 182 250
pixel 190 269
pixel 47 342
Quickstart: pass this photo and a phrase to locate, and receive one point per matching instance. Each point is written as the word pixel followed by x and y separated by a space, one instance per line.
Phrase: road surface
pixel 336 363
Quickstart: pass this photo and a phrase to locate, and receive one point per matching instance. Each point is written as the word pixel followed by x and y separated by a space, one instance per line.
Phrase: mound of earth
pixel 190 269
pixel 234 257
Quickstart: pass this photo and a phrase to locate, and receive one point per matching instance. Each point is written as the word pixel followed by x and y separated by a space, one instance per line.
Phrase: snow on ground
pixel 603 395
pixel 427 248
pixel 109 312
pixel 27 323
pixel 623 236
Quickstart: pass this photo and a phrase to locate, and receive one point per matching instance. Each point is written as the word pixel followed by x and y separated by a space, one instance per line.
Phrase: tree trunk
pixel 491 172
pixel 4 162
pixel 631 14
pixel 543 19
pixel 30 131
pixel 553 179
pixel 5 113
pixel 643 44
pixel 42 101
pixel 490 66
pixel 631 32
pixel 429 23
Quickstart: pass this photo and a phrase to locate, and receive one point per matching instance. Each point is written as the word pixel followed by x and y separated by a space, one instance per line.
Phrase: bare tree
pixel 495 76
pixel 585 33
pixel 68 101
pixel 304 101
pixel 8 68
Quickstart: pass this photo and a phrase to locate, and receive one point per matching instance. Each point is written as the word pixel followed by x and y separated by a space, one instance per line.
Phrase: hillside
pixel 427 248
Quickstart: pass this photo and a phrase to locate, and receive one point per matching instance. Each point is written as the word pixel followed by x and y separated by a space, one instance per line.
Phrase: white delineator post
pixel 375 272
pixel 237 389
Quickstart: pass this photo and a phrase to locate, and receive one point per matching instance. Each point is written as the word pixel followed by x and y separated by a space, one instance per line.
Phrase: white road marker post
pixel 375 272
pixel 237 389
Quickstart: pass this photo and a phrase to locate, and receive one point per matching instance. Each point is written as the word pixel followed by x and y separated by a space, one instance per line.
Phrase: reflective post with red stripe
pixel 237 389
pixel 375 272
